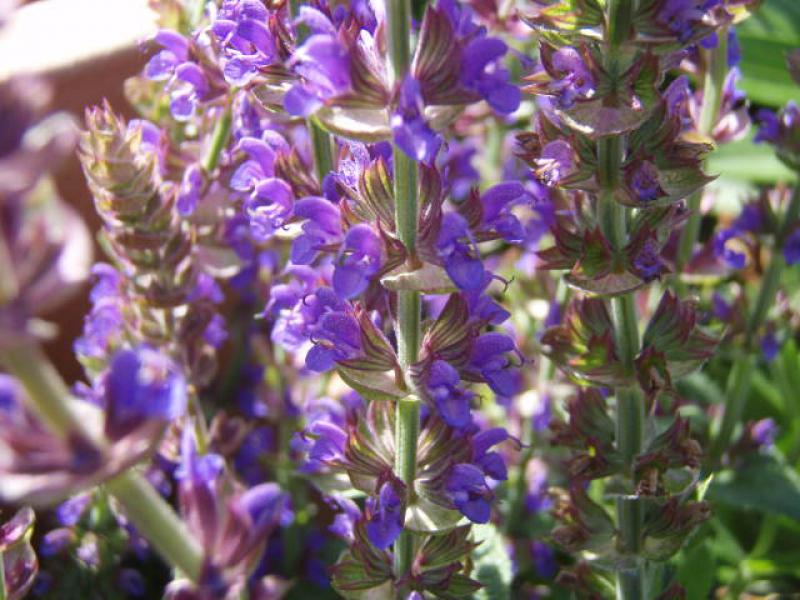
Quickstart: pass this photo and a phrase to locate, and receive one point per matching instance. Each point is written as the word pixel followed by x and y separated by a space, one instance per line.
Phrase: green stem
pixel 321 147
pixel 612 218
pixel 47 391
pixel 713 84
pixel 3 590
pixel 148 511
pixel 219 139
pixel 405 466
pixel 408 303
pixel 157 522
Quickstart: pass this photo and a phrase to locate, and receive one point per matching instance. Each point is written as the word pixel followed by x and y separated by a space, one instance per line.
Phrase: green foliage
pixel 492 565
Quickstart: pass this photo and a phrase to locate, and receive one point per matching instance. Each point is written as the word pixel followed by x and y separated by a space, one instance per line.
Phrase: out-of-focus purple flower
pixel 791 248
pixel 132 582
pixel 725 248
pixel 770 345
pixel 542 413
pixel 491 358
pixel 385 515
pixel 682 16
pixel 410 130
pixel 750 219
pixel 720 308
pixel 536 494
pixel 456 165
pixel 191 187
pixel 764 432
pixel 345 519
pixel 70 511
pixel 734 48
pixel 460 258
pixel 573 80
pixel 448 394
pixel 359 260
pixel 56 541
pixel 466 487
pixel 142 384
pixel 190 87
pixel 544 560
pixel 174 52
pixel 103 327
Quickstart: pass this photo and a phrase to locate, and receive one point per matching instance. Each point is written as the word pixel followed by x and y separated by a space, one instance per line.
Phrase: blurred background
pixel 85 49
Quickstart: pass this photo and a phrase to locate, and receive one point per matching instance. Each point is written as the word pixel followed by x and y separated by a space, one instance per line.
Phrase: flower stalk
pixel 408 302
pixel 713 83
pixel 613 220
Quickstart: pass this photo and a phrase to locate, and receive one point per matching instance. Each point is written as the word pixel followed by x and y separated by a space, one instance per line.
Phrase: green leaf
pixel 766 38
pixel 746 161
pixel 696 571
pixel 763 483
pixel 492 565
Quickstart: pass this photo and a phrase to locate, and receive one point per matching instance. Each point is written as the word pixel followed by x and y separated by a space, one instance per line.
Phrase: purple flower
pixel 104 326
pixel 451 399
pixel 720 308
pixel 555 162
pixel 647 261
pixel 269 207
pixel 770 345
pixel 467 489
pixel 769 127
pixel 190 87
pixel 750 219
pixel 410 130
pixel 142 384
pixel 385 515
pixel 544 560
pixel 322 228
pixel 246 42
pixel 681 16
pixel 456 166
pixel 359 259
pixel 573 78
pixel 337 337
pixel 324 64
pixel 175 52
pixel 191 187
pixel 725 248
pixel 490 357
pixel 644 182
pixel 460 258
pixel 491 463
pixel 791 248
pixel 497 204
pixel 482 72
pixel 764 432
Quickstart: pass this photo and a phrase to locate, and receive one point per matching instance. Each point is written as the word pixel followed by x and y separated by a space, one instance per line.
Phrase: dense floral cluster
pixel 327 341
